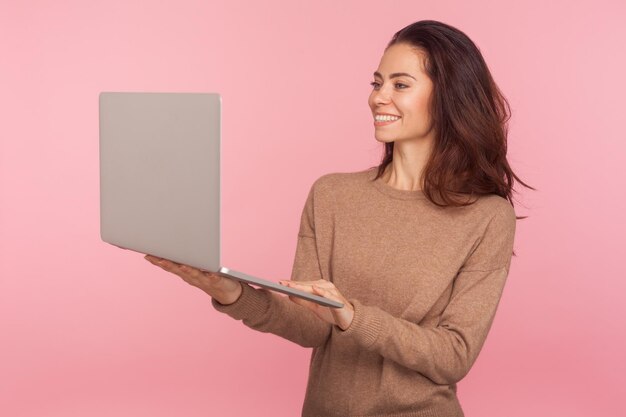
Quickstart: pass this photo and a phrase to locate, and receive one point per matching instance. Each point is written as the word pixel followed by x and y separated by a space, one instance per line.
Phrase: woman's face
pixel 401 88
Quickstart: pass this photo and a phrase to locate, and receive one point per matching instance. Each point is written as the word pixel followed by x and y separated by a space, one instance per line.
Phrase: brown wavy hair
pixel 470 118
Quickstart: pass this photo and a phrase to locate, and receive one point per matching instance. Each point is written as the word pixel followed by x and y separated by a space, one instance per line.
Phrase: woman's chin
pixel 384 140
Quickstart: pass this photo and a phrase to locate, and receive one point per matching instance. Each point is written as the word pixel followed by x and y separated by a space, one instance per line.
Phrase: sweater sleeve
pixel 269 312
pixel 446 352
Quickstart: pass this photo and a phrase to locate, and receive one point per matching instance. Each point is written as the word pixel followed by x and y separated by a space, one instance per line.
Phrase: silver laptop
pixel 160 180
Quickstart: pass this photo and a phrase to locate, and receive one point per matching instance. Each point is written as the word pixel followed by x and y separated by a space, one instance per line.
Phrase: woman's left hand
pixel 342 317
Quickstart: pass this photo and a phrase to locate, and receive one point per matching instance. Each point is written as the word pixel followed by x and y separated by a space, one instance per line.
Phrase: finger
pixel 152 259
pixel 327 293
pixel 293 283
pixel 191 271
pixel 304 288
pixel 157 260
pixel 320 282
pixel 177 269
pixel 168 265
pixel 212 276
pixel 197 275
pixel 288 281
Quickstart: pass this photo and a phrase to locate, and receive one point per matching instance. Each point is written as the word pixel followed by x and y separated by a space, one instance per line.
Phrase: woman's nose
pixel 381 97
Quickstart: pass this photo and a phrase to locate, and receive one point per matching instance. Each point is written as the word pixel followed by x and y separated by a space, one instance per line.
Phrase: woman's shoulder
pixel 342 179
pixel 494 204
pixel 489 208
pixel 335 187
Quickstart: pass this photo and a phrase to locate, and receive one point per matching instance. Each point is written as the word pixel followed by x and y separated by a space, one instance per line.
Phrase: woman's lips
pixel 385 123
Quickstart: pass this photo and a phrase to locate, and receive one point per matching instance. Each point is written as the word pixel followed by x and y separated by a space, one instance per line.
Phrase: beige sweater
pixel 425 283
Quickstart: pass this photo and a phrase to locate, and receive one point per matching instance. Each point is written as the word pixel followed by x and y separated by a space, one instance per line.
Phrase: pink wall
pixel 89 330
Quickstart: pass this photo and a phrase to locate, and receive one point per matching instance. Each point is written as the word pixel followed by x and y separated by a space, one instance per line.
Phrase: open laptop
pixel 160 180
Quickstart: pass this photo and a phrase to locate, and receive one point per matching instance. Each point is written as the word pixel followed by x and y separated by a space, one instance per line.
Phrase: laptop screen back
pixel 160 175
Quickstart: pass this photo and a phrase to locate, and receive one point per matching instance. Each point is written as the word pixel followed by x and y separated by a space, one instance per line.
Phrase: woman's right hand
pixel 224 290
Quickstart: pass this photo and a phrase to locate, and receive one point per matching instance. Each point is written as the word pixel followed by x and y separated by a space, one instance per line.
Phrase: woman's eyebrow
pixel 394 75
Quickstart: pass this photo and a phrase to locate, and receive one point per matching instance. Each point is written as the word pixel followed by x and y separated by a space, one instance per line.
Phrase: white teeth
pixel 385 118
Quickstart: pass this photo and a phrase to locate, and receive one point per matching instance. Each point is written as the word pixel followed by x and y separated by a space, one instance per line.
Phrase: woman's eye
pixel 376 85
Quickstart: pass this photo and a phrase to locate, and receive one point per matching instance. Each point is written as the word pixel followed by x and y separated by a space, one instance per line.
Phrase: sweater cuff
pixel 366 325
pixel 251 303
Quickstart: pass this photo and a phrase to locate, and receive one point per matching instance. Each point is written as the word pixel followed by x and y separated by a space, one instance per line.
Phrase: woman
pixel 417 249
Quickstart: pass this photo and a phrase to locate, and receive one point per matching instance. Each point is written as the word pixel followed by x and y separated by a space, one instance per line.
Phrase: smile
pixel 385 117
pixel 387 120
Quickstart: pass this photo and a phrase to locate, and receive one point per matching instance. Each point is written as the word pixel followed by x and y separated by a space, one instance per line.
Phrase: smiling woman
pixel 400 101
pixel 420 273
pixel 434 98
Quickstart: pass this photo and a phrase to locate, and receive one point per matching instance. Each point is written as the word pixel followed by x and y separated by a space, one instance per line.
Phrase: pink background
pixel 89 330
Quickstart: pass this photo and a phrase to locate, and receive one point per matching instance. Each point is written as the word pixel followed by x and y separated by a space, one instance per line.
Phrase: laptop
pixel 160 180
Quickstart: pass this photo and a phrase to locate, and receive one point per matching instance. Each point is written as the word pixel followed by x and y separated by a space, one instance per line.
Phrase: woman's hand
pixel 342 317
pixel 224 290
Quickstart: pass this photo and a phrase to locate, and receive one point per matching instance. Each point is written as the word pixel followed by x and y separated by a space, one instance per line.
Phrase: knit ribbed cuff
pixel 252 303
pixel 366 325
